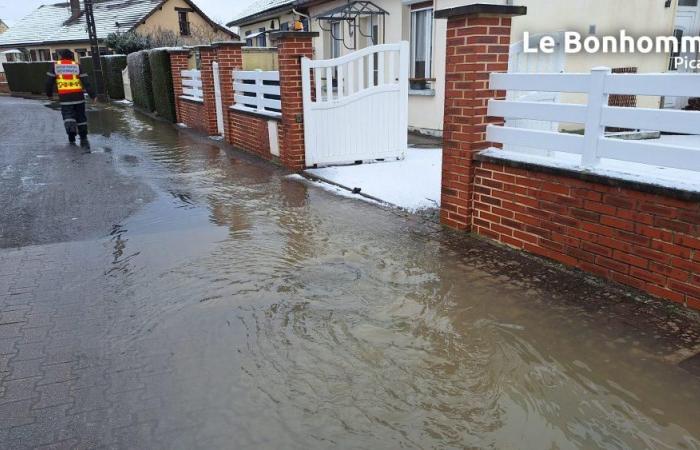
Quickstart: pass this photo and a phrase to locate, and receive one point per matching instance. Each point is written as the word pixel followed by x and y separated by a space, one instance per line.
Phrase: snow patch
pixel 182 125
pixel 686 180
pixel 412 184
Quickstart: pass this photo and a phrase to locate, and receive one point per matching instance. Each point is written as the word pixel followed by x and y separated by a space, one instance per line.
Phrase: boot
pixel 85 144
pixel 71 138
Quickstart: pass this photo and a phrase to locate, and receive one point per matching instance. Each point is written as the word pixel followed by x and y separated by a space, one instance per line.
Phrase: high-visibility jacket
pixel 67 77
pixel 70 84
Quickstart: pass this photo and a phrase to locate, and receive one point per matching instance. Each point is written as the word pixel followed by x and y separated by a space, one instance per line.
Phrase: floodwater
pixel 275 314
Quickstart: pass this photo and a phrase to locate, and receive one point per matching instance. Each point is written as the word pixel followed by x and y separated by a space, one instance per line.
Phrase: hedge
pixel 112 66
pixel 27 77
pixel 162 83
pixel 140 79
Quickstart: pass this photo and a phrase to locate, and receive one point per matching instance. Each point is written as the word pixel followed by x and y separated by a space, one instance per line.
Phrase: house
pixel 346 26
pixel 63 25
pixel 262 16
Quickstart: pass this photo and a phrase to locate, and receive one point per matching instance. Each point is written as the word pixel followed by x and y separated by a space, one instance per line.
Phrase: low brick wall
pixel 250 133
pixel 647 240
pixel 192 114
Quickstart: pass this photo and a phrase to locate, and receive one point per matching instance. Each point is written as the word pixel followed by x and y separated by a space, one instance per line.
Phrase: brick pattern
pixel 207 57
pixel 192 114
pixel 178 63
pixel 250 133
pixel 290 50
pixel 476 47
pixel 647 241
pixel 230 58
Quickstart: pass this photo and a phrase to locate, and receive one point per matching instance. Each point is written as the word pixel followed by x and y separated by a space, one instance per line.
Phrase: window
pixel 336 36
pixel 687 2
pixel 284 26
pixel 261 40
pixel 81 52
pixel 184 23
pixel 421 43
pixel 43 55
pixel 248 41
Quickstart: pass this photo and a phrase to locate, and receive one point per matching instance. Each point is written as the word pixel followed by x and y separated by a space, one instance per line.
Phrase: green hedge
pixel 112 66
pixel 162 82
pixel 140 79
pixel 27 77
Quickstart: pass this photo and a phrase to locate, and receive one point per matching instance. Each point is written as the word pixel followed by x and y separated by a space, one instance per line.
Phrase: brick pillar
pixel 478 40
pixel 207 55
pixel 291 47
pixel 230 58
pixel 178 63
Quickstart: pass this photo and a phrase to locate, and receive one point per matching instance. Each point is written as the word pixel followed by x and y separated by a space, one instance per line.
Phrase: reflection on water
pixel 290 318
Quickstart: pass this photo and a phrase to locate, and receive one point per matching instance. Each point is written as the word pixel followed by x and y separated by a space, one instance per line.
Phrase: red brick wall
pixel 476 47
pixel 647 241
pixel 192 114
pixel 207 57
pixel 249 133
pixel 178 63
pixel 230 58
pixel 291 49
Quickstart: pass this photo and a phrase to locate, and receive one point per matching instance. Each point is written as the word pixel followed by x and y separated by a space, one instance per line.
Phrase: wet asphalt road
pixel 168 292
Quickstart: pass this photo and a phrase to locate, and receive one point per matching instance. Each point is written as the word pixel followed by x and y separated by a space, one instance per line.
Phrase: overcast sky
pixel 220 10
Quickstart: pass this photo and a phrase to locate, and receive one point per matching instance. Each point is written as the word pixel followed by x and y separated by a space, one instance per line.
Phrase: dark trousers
pixel 75 120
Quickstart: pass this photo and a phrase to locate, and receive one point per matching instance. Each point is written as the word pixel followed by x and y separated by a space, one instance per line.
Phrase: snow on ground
pixel 412 184
pixel 660 176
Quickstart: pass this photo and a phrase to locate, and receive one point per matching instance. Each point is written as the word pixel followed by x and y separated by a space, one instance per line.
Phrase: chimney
pixel 74 9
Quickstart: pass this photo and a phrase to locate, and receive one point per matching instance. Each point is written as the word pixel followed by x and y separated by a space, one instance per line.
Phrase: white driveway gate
pixel 357 108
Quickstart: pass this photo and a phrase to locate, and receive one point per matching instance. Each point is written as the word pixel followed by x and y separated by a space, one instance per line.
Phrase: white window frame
pixel 428 44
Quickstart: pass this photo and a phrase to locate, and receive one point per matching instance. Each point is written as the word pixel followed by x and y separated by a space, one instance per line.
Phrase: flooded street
pixel 182 295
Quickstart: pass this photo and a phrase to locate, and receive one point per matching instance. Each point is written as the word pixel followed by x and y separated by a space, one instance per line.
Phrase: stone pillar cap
pixel 481 8
pixel 228 44
pixel 293 34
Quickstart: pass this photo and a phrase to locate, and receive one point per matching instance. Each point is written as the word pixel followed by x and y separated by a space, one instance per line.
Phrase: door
pixel 360 117
pixel 687 24
pixel 521 62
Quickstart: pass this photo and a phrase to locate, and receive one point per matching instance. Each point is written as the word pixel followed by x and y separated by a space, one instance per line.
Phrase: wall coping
pixel 228 44
pixel 294 34
pixel 481 8
pixel 191 100
pixel 592 177
pixel 178 50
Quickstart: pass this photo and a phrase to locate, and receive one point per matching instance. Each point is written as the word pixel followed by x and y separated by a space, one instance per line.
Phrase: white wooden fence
pixel 596 115
pixel 258 91
pixel 192 85
pixel 358 108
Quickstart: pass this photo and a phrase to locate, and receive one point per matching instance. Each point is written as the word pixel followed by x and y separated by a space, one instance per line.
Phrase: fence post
pixel 478 43
pixel 229 56
pixel 292 46
pixel 178 63
pixel 595 131
pixel 217 98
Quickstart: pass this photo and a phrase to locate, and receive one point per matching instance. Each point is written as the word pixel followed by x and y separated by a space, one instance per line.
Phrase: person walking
pixel 71 85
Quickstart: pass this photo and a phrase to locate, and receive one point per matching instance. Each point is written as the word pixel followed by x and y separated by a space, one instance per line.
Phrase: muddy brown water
pixel 281 315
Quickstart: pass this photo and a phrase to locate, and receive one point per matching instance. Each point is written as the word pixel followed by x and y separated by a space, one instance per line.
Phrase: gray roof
pixel 258 9
pixel 48 23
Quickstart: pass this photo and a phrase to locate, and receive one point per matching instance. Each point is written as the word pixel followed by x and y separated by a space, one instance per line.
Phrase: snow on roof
pixel 49 23
pixel 260 6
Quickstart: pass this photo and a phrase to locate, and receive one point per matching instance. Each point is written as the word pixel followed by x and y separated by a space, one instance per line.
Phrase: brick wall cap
pixel 228 44
pixel 293 34
pixel 481 8
pixel 201 46
pixel 680 194
pixel 178 50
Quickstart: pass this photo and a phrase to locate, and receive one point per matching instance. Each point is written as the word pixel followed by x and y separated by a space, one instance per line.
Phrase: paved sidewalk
pixel 166 292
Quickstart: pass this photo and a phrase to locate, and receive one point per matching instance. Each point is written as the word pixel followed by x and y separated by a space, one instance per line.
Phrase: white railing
pixel 192 85
pixel 597 115
pixel 257 91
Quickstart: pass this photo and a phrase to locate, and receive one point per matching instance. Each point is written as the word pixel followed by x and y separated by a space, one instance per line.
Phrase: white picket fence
pixel 192 85
pixel 357 108
pixel 257 91
pixel 597 115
